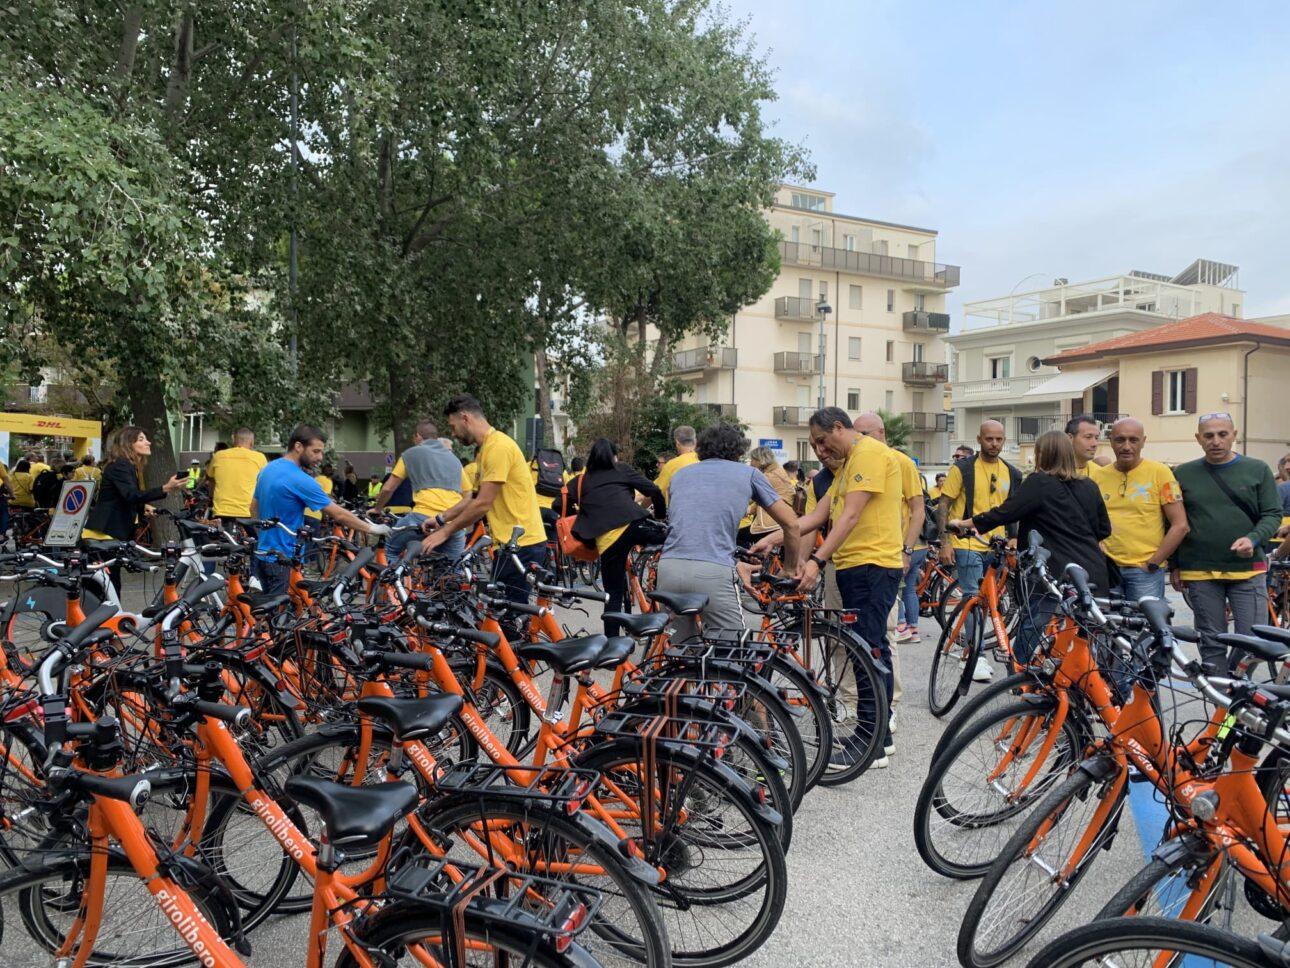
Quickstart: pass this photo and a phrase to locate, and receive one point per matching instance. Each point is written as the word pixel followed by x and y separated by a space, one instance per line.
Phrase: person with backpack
pixel 48 484
pixel 975 484
pixel 1233 510
pixel 610 519
pixel 1067 510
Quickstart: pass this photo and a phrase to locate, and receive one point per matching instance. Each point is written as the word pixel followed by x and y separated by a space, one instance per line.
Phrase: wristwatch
pixel 818 563
pixel 438 520
pixel 1152 567
pixel 906 550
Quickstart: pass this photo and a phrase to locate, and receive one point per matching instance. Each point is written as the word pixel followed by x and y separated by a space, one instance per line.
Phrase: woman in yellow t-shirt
pixel 20 481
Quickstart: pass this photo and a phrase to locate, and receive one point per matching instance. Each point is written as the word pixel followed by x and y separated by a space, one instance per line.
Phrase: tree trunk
pixel 540 368
pixel 130 28
pixel 181 70
pixel 402 418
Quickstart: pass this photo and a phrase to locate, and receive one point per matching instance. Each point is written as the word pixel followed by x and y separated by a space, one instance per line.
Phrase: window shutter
pixel 1113 395
pixel 1189 390
pixel 1158 392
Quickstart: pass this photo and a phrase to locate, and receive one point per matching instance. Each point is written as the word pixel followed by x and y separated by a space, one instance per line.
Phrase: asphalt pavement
pixel 859 895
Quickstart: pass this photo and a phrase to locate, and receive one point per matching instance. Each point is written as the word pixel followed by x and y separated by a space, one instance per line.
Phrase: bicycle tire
pixel 765 885
pixel 939 816
pixel 978 703
pixel 951 598
pixel 1147 893
pixel 1054 813
pixel 805 698
pixel 945 679
pixel 396 927
pixel 1090 943
pixel 546 834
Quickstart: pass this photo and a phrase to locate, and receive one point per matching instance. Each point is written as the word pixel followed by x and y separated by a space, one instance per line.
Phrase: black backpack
pixel 967 471
pixel 931 528
pixel 46 488
pixel 550 472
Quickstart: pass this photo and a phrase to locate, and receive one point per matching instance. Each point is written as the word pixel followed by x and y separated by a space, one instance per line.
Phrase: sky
pixel 1049 138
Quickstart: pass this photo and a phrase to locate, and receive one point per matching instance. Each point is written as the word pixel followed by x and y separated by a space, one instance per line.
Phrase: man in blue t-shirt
pixel 283 490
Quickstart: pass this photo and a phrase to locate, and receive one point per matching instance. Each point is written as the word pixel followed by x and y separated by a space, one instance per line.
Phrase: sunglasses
pixel 994 483
pixel 1216 415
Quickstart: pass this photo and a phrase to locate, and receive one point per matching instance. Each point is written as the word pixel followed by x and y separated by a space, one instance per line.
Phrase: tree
pixel 897 428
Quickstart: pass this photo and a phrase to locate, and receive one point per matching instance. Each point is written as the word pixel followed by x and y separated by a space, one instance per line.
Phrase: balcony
pixel 726 410
pixel 795 309
pixel 1029 429
pixel 355 396
pixel 1005 389
pixel 920 420
pixel 921 321
pixel 920 374
pixel 797 364
pixel 791 416
pixel 917 275
pixel 704 358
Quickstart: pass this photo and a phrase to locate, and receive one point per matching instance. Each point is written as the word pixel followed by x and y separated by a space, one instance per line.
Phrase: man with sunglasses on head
pixel 1232 507
pixel 1144 503
pixel 975 485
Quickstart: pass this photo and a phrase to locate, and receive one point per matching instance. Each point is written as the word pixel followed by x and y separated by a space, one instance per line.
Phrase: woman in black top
pixel 121 497
pixel 1068 513
pixel 610 518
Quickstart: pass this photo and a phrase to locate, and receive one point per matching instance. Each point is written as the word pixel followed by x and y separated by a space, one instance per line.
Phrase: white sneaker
pixel 889 750
pixel 891 724
pixel 881 763
pixel 982 672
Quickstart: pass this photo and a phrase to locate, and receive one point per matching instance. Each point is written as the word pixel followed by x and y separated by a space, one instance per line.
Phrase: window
pixel 190 432
pixel 853 348
pixel 38 393
pixel 804 342
pixel 880 247
pixel 918 401
pixel 889 400
pixel 815 238
pixel 853 400
pixel 1176 399
pixel 812 203
pixel 913 250
pixel 855 297
pixel 804 291
pixel 999 367
pixel 918 352
pixel 920 302
pixel 796 234
pixel 1236 310
pixel 891 299
pixel 891 351
pixel 804 451
pixel 849 243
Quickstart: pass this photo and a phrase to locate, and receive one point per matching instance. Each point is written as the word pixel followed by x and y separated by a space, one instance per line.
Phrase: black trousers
pixel 613 574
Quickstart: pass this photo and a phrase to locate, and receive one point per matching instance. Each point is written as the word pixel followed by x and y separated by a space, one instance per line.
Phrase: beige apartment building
pixel 855 319
pixel 1002 356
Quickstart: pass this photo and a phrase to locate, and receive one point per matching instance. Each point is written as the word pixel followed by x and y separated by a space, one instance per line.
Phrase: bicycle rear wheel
pixel 1141 942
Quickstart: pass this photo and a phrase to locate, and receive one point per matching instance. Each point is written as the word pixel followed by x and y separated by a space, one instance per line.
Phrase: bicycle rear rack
pixel 704 734
pixel 559 788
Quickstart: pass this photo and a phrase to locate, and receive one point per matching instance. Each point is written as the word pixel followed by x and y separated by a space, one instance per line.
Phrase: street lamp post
pixel 822 309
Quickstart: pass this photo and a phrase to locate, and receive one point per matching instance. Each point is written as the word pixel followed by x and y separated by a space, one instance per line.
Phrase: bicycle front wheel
pixel 1150 943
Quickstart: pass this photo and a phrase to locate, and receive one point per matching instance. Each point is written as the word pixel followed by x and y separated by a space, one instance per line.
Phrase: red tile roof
pixel 1206 329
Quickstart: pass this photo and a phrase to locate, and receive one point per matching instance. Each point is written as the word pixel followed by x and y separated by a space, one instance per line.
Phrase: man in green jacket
pixel 1232 507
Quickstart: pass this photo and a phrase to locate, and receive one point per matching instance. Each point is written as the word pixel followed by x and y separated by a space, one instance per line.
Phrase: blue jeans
pixel 274 576
pixel 1138 583
pixel 397 542
pixel 969 567
pixel 517 584
pixel 870 591
pixel 909 588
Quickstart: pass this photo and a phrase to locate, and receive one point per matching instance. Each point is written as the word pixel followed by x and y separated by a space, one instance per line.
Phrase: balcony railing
pixel 932 275
pixel 998 389
pixel 796 364
pixel 791 416
pixel 921 321
pixel 795 309
pixel 1029 429
pixel 925 420
pixel 924 374
pixel 704 358
pixel 720 409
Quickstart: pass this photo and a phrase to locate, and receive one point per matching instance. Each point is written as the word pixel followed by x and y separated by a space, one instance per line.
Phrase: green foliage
pixel 897 428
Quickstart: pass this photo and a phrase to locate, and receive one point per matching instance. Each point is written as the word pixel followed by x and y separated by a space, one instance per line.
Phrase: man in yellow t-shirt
pixel 506 498
pixel 87 470
pixel 1144 502
pixel 232 473
pixel 992 481
pixel 865 539
pixel 685 440
pixel 1085 434
pixel 438 483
